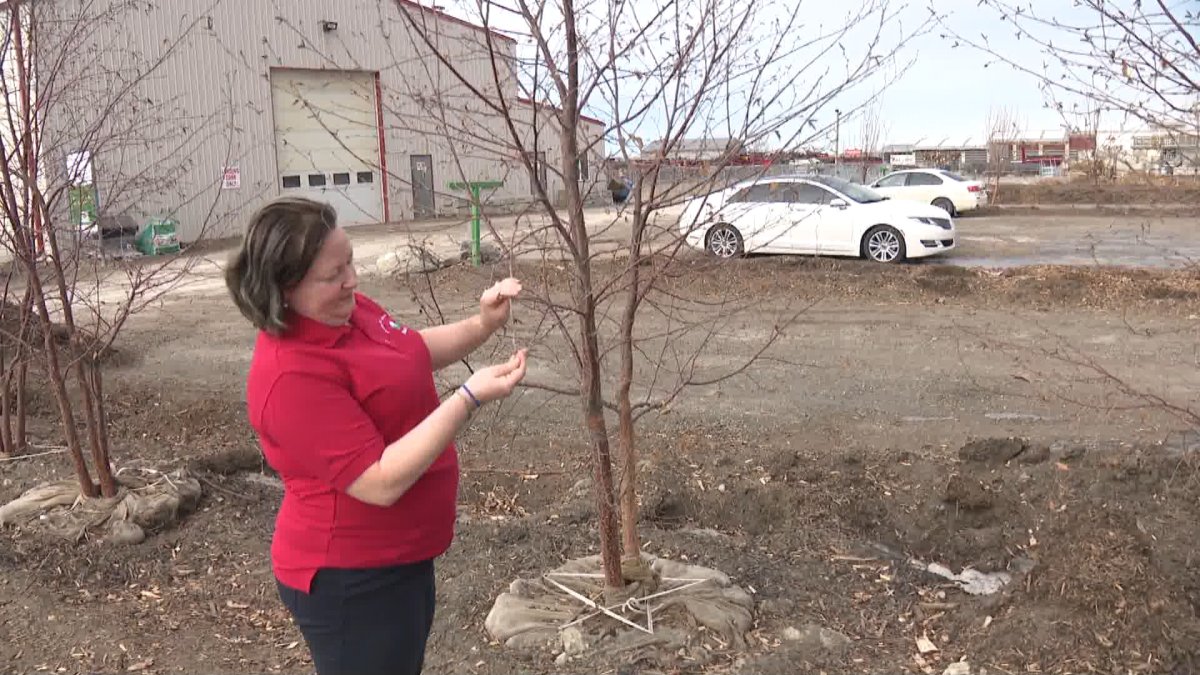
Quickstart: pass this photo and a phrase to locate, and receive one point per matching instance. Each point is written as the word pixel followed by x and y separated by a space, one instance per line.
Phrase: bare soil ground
pixel 1184 190
pixel 876 431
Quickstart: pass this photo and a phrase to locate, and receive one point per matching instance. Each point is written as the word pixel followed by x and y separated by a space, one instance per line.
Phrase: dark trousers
pixel 366 621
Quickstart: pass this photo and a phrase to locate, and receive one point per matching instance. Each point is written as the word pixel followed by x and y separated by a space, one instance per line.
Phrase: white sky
pixel 948 91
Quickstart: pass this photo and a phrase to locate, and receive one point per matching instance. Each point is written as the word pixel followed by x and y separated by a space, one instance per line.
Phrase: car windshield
pixel 953 176
pixel 859 193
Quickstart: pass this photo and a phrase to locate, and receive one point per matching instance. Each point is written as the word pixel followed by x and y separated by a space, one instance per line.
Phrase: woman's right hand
pixel 496 382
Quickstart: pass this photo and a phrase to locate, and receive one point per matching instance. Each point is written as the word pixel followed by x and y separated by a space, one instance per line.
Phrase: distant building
pixel 1056 152
pixel 694 149
pixel 1165 151
pixel 1112 152
pixel 248 101
pixel 954 154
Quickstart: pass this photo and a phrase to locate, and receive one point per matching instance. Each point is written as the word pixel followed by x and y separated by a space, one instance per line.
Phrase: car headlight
pixel 943 223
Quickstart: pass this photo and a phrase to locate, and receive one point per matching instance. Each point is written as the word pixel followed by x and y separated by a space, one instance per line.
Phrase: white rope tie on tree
pixel 634 604
pixel 591 603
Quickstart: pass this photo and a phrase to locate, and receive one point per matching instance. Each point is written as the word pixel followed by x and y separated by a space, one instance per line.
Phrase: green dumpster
pixel 158 236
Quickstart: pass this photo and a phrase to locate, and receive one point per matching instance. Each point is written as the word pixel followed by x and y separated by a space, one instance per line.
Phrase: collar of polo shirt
pixel 308 330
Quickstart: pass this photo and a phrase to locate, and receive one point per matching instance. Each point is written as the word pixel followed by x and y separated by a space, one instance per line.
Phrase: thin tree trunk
pixel 20 438
pixel 102 416
pixel 631 546
pixel 626 441
pixel 58 386
pixel 8 401
pixel 593 411
pixel 593 403
pixel 585 301
pixel 90 382
pixel 20 435
pixel 83 372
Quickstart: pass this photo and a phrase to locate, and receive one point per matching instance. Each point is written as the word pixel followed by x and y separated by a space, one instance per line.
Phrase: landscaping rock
pixel 817 638
pixel 409 259
pixel 992 451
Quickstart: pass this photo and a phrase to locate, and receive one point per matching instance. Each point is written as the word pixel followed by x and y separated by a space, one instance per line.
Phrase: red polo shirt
pixel 325 402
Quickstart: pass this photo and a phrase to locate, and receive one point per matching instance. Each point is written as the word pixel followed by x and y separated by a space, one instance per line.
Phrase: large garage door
pixel 327 140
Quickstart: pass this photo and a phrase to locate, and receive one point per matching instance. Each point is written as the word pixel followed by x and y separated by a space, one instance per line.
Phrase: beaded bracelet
pixel 471 395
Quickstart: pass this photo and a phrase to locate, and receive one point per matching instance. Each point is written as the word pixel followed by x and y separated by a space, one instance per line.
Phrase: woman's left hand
pixel 495 304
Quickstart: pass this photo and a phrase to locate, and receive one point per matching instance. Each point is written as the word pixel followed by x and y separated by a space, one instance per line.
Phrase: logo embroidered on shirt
pixel 389 324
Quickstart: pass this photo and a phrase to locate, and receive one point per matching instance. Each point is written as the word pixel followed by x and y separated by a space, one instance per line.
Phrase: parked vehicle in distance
pixel 946 190
pixel 819 215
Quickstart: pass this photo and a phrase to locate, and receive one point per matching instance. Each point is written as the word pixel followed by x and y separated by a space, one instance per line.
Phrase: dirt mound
pixel 801 280
pixel 231 462
pixel 1089 192
pixel 1099 539
pixel 158 423
pixel 993 451
pixel 1103 532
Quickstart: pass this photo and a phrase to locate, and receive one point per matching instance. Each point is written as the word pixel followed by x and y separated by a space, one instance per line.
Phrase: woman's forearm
pixel 406 460
pixel 453 342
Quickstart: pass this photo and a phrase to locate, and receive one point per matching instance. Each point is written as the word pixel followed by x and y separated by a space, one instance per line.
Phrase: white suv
pixel 948 191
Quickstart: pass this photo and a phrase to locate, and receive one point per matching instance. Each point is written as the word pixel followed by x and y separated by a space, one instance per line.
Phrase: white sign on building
pixel 231 178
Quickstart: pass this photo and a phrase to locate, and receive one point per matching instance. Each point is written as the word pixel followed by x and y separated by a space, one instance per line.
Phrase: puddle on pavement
pixel 1183 443
pixel 1015 417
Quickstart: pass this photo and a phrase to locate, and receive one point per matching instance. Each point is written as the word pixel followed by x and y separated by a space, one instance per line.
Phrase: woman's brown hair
pixel 280 244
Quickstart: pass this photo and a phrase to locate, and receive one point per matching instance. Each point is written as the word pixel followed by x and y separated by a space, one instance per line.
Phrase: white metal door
pixel 327 140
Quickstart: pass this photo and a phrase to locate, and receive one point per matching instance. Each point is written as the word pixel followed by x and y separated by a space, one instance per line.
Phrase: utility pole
pixel 837 138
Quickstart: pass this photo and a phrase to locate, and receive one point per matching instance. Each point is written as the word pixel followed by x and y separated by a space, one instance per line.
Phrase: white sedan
pixel 946 190
pixel 817 215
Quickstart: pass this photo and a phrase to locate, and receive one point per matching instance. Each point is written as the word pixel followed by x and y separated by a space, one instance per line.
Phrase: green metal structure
pixel 475 188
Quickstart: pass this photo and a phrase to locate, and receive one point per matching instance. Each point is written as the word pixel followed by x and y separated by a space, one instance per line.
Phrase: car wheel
pixel 945 205
pixel 724 241
pixel 884 244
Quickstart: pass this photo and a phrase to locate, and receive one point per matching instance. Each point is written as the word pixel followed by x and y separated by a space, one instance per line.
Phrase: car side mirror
pixel 838 203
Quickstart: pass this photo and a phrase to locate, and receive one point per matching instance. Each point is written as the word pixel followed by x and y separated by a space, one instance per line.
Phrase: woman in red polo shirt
pixel 343 401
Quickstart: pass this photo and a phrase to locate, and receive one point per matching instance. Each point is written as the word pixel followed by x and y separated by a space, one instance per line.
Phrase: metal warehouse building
pixel 223 104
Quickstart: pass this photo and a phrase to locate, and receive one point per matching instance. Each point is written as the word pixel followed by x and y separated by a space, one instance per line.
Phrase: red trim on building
pixel 455 20
pixel 383 170
pixel 1082 141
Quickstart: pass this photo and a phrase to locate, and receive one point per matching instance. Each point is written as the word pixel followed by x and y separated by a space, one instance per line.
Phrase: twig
pixel 939 606
pixel 227 491
pixel 36 454
pixel 516 472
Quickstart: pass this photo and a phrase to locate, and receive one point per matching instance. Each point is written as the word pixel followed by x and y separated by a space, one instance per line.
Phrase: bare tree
pixel 77 118
pixel 872 130
pixel 1001 129
pixel 750 73
pixel 1125 60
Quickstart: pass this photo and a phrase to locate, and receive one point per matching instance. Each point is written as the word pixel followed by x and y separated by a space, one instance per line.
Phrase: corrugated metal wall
pixel 208 105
